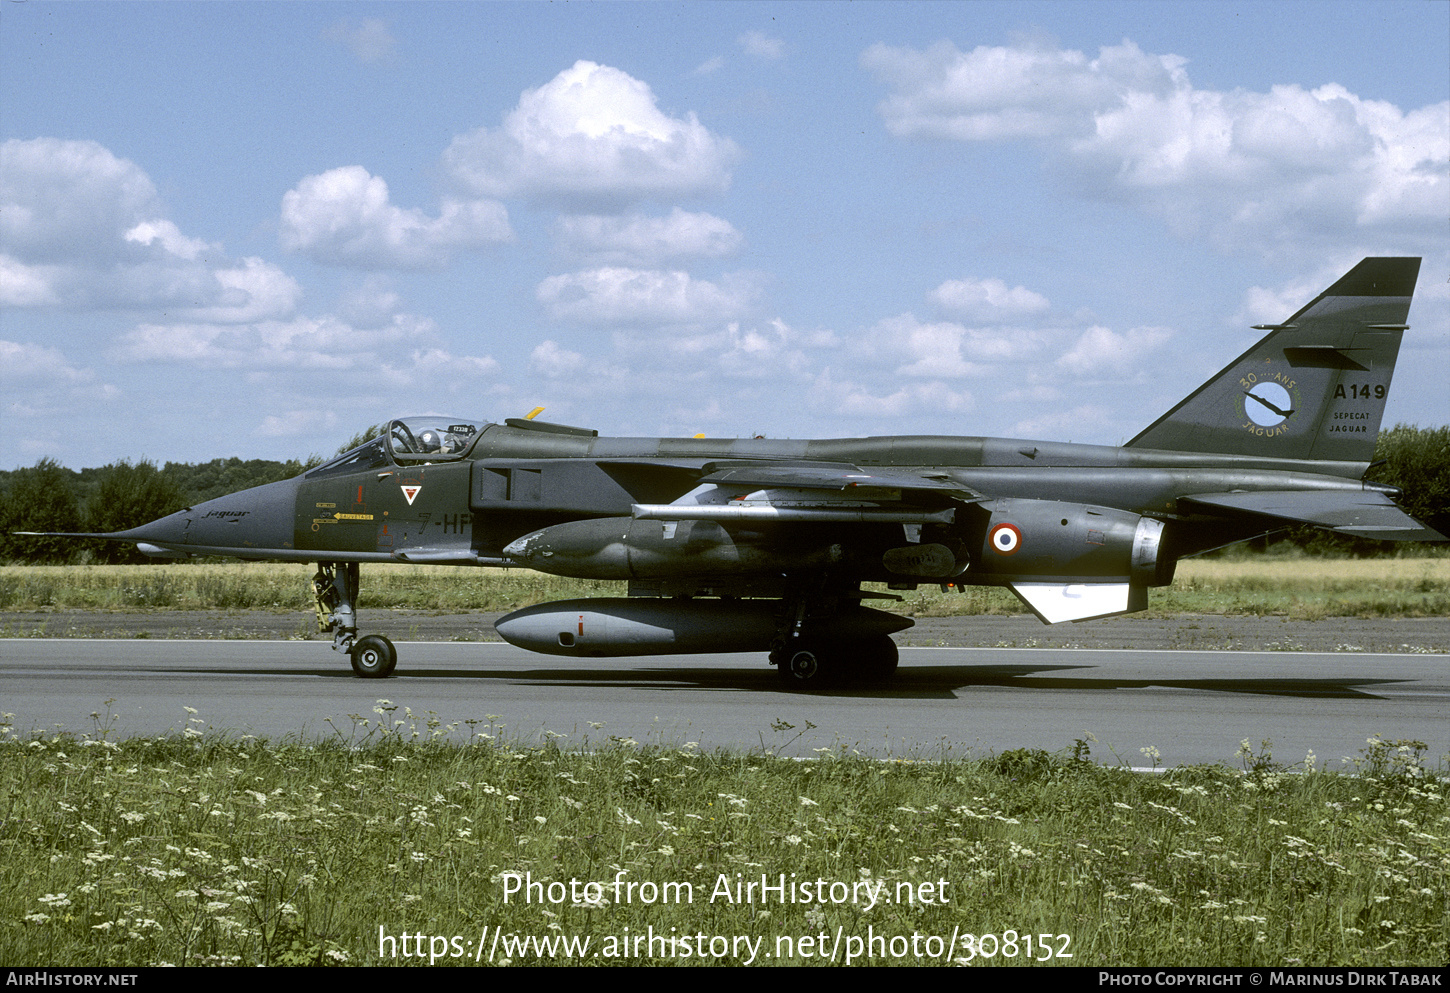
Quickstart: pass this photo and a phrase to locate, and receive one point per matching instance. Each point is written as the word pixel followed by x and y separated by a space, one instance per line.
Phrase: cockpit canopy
pixel 432 437
pixel 410 441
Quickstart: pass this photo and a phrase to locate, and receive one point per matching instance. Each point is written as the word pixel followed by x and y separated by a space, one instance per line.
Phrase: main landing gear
pixel 814 659
pixel 808 664
pixel 335 593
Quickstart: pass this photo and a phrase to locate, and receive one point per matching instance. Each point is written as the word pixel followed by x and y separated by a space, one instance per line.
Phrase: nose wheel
pixel 334 591
pixel 374 657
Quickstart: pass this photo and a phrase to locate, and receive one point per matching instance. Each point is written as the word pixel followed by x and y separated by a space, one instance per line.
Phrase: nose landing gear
pixel 334 591
pixel 374 656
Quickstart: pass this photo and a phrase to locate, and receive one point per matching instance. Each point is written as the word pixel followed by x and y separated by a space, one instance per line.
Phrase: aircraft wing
pixel 777 474
pixel 819 492
pixel 1363 514
pixel 841 478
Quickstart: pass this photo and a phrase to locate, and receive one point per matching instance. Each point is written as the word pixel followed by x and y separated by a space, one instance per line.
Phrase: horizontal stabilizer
pixel 1054 603
pixel 1363 514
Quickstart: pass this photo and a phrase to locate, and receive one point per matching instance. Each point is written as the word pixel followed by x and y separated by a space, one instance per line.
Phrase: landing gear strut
pixel 335 594
pixel 808 664
pixel 809 659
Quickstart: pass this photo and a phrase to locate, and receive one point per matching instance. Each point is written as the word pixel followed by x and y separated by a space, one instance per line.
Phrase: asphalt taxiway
pixel 1191 706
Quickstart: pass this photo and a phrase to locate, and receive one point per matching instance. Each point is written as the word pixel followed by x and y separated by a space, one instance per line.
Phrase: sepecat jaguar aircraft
pixel 732 545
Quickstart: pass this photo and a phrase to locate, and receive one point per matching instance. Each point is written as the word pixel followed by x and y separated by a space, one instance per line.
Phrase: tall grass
pixel 281 587
pixel 203 848
pixel 1304 588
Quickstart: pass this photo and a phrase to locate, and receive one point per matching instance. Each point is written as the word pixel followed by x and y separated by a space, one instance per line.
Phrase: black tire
pixel 374 657
pixel 878 659
pixel 804 667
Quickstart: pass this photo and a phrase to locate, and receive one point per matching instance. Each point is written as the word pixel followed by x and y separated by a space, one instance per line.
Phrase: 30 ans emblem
pixel 410 493
pixel 1270 398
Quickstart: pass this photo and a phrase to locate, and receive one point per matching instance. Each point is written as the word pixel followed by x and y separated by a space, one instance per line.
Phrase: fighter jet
pixel 752 544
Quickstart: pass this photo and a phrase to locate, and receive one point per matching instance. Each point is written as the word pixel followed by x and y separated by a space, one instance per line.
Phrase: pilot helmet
pixel 429 441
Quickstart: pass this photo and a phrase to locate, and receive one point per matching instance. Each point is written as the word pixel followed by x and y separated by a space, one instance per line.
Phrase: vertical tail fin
pixel 1314 387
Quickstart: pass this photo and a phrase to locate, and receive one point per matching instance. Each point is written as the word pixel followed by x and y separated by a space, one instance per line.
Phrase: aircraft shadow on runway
pixel 924 682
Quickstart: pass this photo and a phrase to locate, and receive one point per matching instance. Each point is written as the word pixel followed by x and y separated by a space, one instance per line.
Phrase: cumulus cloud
pixel 987 299
pixel 24 285
pixel 252 290
pixel 642 240
pixel 344 217
pixel 434 368
pixel 66 201
pixel 42 391
pixel 248 289
pixel 761 46
pixel 297 423
pixel 1249 168
pixel 591 135
pixel 22 362
pixel 372 304
pixel 83 229
pixel 773 350
pixel 401 354
pixel 1101 350
pixel 848 398
pixel 758 352
pixel 1269 306
pixel 946 349
pixel 1065 425
pixel 370 40
pixel 994 93
pixel 169 238
pixel 300 343
pixel 550 360
pixel 616 295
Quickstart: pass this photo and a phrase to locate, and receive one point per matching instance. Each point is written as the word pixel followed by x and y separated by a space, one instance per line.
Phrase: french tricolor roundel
pixel 1004 538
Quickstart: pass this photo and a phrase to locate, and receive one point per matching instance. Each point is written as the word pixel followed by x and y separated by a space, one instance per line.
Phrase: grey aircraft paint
pixel 759 544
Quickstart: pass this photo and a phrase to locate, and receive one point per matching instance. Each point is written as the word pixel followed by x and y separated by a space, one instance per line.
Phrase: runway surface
pixel 1192 706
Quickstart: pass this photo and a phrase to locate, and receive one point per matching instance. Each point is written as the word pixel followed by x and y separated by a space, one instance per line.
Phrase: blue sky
pixel 253 229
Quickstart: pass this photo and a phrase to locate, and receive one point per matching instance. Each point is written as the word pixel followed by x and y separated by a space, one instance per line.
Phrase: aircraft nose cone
pixel 164 532
pixel 259 518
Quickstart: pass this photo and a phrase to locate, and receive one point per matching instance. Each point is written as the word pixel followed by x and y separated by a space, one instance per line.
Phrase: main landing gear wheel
pixel 802 667
pixel 878 659
pixel 374 657
pixel 815 665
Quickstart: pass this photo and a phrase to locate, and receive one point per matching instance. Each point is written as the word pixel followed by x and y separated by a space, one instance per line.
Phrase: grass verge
pixel 1300 588
pixel 207 849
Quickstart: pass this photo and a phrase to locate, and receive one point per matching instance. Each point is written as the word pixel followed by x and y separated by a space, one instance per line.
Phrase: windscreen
pixel 432 436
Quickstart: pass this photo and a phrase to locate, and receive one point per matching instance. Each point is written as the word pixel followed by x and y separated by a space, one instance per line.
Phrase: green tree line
pixel 1415 460
pixel 50 497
